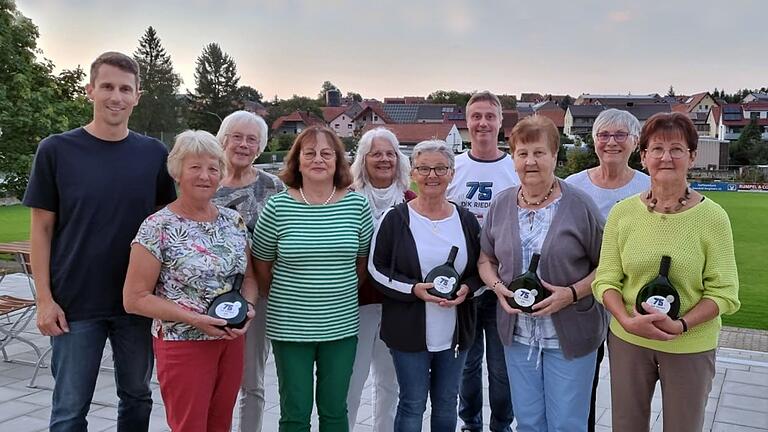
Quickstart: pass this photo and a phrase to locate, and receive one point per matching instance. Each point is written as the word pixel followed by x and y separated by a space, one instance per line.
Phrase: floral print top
pixel 197 259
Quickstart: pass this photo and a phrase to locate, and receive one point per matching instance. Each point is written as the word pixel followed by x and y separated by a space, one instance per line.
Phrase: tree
pixel 566 102
pixel 296 103
pixel 354 96
pixel 34 103
pixel 327 85
pixel 159 108
pixel 749 148
pixel 449 97
pixel 508 102
pixel 671 91
pixel 216 91
pixel 281 142
pixel 248 94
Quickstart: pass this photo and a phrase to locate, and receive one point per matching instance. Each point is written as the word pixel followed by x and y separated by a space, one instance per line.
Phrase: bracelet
pixel 685 324
pixel 493 286
pixel 573 291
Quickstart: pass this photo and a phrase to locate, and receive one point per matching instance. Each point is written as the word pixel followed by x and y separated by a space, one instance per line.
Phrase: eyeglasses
pixel 311 155
pixel 382 155
pixel 251 140
pixel 619 137
pixel 425 170
pixel 674 153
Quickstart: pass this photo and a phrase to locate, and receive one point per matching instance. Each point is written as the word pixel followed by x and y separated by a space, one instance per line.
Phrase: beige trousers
pixel 686 380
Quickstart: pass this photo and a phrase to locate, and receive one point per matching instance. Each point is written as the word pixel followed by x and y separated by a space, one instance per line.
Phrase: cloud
pixel 619 16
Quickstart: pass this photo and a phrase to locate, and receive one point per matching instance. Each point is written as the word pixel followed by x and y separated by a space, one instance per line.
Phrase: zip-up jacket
pixel 394 262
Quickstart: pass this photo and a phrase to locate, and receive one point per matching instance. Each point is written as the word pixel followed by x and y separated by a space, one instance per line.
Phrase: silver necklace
pixel 301 192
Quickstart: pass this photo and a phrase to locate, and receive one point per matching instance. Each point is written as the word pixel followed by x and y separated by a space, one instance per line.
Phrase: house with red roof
pixel 295 122
pixel 410 134
pixel 735 117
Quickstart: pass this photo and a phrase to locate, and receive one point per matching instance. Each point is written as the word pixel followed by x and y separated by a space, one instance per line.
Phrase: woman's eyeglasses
pixel 311 155
pixel 251 140
pixel 674 153
pixel 619 137
pixel 425 170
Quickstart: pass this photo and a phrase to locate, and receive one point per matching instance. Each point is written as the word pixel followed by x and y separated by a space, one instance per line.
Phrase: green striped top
pixel 314 250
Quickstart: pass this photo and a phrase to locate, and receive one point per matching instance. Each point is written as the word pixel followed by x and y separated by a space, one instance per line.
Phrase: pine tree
pixel 158 111
pixel 216 91
pixel 671 91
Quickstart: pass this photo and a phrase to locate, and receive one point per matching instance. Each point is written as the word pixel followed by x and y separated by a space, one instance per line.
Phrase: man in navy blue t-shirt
pixel 89 190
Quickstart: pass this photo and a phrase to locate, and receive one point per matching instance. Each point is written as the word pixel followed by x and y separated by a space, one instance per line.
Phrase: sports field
pixel 749 219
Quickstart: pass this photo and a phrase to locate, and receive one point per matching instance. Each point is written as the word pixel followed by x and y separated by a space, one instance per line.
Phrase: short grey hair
pixel 239 118
pixel 359 171
pixel 434 146
pixel 194 142
pixel 618 119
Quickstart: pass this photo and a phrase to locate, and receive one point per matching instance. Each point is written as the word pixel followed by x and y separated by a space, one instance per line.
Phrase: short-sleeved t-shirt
pixel 101 191
pixel 607 198
pixel 477 182
pixel 314 250
pixel 250 199
pixel 199 260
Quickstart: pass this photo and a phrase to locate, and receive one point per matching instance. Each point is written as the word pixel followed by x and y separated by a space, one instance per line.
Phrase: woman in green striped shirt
pixel 310 247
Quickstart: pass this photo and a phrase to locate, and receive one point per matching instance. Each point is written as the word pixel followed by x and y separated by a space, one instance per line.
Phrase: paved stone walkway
pixel 738 401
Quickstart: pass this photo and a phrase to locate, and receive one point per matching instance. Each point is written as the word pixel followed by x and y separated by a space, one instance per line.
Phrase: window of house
pixel 349 126
pixel 375 118
pixel 336 126
pixel 754 115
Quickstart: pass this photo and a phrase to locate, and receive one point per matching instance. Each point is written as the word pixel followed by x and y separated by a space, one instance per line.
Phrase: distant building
pixel 617 100
pixel 711 154
pixel 531 98
pixel 755 97
pixel 417 113
pixel 735 117
pixel 580 118
pixel 333 98
pixel 295 122
pixel 411 134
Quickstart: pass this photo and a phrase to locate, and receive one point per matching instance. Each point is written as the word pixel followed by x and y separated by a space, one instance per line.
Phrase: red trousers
pixel 199 381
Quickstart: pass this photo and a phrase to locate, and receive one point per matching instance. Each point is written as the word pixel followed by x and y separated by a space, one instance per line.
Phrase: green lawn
pixel 14 223
pixel 748 212
pixel 749 219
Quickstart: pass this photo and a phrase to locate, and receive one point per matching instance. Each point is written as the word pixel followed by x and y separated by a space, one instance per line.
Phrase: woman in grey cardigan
pixel 551 352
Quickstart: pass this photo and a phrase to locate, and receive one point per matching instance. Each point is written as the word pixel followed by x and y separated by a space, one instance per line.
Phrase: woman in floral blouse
pixel 182 258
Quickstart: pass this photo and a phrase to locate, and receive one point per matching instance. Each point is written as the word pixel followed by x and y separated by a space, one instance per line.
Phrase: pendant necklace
pixel 681 202
pixel 301 192
pixel 538 203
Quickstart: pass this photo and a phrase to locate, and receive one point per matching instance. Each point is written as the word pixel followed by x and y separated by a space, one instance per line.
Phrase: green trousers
pixel 297 364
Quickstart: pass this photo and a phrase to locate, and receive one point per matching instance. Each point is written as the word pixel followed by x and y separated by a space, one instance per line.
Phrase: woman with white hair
pixel 245 188
pixel 616 134
pixel 428 336
pixel 380 172
pixel 182 258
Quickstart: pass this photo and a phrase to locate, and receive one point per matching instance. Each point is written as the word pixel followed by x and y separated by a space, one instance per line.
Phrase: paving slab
pixel 738 401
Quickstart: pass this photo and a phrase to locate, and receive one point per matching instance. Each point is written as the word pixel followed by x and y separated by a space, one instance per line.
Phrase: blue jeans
pixel 423 373
pixel 553 397
pixel 75 363
pixel 471 391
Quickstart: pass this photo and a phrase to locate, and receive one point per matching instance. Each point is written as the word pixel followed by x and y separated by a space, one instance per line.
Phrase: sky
pixel 414 47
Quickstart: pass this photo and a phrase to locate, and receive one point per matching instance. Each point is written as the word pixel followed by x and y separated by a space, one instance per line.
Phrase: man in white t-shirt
pixel 480 174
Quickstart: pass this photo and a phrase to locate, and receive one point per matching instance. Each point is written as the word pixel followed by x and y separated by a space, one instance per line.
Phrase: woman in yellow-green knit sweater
pixel 672 220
